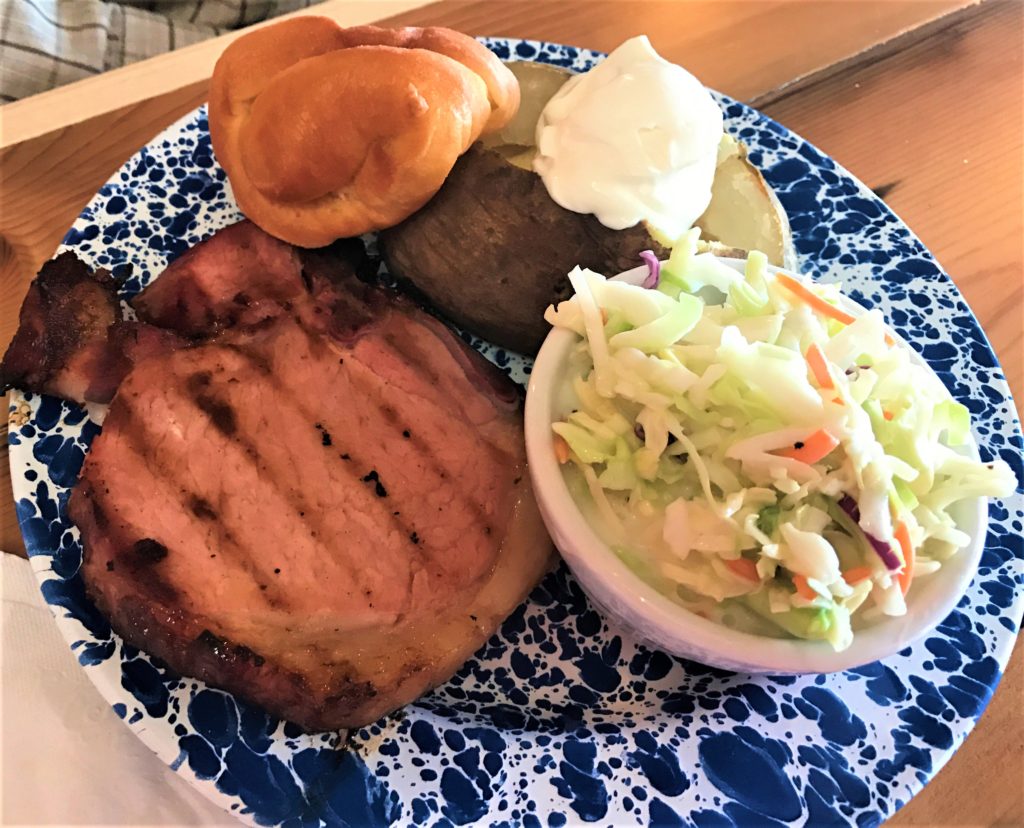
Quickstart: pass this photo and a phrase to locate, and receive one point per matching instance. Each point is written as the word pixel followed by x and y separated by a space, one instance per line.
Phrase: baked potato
pixel 744 212
pixel 491 250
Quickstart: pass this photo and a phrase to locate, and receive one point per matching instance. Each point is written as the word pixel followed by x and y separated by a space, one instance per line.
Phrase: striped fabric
pixel 47 43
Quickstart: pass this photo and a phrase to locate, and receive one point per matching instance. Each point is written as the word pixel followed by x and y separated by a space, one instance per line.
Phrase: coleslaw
pixel 757 453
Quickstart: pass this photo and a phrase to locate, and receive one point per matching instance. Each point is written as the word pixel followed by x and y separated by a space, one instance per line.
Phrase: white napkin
pixel 67 759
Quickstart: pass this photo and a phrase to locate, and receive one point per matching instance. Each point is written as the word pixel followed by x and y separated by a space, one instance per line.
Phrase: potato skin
pixel 491 250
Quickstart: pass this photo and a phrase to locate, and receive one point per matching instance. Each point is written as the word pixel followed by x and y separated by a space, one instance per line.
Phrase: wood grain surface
pixel 920 100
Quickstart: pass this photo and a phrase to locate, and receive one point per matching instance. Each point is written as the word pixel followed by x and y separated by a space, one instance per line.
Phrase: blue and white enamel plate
pixel 560 718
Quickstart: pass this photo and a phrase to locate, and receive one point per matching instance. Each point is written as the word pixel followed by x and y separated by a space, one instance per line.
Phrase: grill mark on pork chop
pixel 227 650
pixel 221 414
pixel 142 555
pixel 99 515
pixel 149 551
pixel 144 558
pixel 257 360
pixel 302 512
pixel 304 414
pixel 430 460
pixel 134 430
pixel 413 357
pixel 425 453
pixel 201 508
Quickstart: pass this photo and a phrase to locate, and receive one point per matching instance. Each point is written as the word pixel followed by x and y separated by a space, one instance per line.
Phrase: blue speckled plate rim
pixel 939 756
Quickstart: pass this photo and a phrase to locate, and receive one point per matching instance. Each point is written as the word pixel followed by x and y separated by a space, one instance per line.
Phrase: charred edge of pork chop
pixel 62 330
pixel 238 275
pixel 73 342
pixel 241 276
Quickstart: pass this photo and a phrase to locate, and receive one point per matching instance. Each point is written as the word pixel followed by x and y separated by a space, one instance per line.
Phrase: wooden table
pixel 921 100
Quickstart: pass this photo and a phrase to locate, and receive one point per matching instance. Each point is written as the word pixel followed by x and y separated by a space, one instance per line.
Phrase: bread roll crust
pixel 327 132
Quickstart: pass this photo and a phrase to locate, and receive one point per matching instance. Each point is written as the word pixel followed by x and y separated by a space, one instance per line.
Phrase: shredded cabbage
pixel 709 453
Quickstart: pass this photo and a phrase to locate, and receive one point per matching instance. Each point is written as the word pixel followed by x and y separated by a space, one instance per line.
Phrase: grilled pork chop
pixel 323 508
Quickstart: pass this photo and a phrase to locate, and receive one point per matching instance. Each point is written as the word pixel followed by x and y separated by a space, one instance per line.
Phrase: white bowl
pixel 651 617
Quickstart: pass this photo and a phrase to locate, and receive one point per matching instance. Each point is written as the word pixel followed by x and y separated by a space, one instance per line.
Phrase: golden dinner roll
pixel 502 86
pixel 327 132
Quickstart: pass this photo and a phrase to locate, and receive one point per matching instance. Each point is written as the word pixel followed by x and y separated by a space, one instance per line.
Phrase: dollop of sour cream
pixel 634 139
